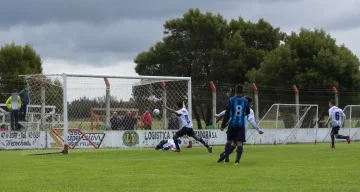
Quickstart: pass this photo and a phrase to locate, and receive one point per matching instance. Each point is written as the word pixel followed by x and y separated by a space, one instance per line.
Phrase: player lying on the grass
pixel 167 145
pixel 337 118
pixel 237 109
pixel 186 126
pixel 250 119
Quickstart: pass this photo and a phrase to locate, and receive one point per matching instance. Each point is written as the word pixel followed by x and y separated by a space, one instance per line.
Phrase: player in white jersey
pixel 337 118
pixel 186 126
pixel 167 145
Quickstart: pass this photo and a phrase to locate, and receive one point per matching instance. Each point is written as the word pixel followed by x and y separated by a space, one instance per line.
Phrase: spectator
pixel 174 122
pixel 13 103
pixel 129 121
pixel 146 120
pixel 115 121
pixel 3 127
pixel 25 101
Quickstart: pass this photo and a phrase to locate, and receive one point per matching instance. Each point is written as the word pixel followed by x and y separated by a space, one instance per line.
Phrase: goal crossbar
pixel 113 76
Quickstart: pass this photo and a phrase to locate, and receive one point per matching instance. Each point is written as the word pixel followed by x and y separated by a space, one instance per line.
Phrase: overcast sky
pixel 104 36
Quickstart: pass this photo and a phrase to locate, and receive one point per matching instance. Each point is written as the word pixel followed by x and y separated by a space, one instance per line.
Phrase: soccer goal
pixel 73 111
pixel 288 123
pixel 352 122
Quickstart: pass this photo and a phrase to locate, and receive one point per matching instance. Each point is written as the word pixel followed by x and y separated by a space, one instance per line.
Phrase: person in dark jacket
pixel 115 121
pixel 24 102
pixel 129 121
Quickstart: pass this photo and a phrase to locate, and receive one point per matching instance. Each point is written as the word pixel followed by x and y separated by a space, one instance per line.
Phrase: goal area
pixel 73 111
pixel 285 121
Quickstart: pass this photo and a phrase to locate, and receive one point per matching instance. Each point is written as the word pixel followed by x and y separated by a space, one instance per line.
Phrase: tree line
pixel 205 46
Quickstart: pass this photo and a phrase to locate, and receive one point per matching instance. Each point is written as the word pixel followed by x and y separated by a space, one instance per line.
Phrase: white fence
pixel 142 138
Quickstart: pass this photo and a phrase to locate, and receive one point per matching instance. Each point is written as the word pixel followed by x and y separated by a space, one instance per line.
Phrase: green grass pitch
pixel 302 167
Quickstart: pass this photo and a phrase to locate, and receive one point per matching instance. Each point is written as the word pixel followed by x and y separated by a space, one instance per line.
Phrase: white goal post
pixel 352 121
pixel 86 103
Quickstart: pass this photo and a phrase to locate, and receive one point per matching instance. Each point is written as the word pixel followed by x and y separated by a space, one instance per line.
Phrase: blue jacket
pixel 24 96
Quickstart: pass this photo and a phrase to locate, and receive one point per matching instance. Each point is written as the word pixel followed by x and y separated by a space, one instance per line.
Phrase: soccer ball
pixel 156 112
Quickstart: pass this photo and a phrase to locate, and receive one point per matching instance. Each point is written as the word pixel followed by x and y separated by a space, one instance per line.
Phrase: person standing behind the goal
pixel 186 126
pixel 337 117
pixel 237 109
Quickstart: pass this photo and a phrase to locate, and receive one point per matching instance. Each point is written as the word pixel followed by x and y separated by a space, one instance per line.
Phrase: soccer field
pixel 306 167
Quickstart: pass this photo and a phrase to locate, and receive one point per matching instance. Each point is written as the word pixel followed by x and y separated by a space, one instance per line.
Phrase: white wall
pixel 142 138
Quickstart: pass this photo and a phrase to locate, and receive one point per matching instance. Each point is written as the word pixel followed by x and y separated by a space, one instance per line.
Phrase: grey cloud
pixel 94 31
pixel 87 42
pixel 35 12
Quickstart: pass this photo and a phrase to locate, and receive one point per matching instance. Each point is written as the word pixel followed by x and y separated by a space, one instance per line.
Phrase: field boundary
pixel 150 138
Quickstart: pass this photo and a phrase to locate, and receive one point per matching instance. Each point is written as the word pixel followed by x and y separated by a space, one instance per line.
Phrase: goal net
pixel 352 122
pixel 71 111
pixel 285 121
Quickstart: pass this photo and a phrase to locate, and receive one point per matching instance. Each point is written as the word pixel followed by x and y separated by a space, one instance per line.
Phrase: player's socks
pixel 177 144
pixel 332 140
pixel 340 137
pixel 223 155
pixel 203 142
pixel 348 139
pixel 206 145
pixel 227 145
pixel 231 150
pixel 239 153
pixel 228 151
pixel 343 137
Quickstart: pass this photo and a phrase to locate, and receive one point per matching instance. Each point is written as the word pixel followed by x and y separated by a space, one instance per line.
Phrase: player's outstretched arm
pixel 255 125
pixel 169 109
pixel 222 113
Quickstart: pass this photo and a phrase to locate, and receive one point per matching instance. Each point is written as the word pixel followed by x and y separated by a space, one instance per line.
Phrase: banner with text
pixel 152 138
pixel 22 140
pixel 76 138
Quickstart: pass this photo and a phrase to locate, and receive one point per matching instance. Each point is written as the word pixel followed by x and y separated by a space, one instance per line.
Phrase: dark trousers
pixel 23 112
pixel 14 118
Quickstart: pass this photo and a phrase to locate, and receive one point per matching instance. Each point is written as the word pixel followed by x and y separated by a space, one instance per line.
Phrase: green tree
pixel 16 60
pixel 309 59
pixel 204 46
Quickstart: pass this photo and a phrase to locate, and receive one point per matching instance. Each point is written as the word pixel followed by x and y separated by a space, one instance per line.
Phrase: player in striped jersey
pixel 237 109
pixel 250 119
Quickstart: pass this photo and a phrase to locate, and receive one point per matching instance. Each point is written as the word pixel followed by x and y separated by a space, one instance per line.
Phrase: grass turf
pixel 305 167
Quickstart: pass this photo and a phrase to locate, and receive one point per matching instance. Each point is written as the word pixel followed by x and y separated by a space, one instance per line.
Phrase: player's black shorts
pixel 236 134
pixel 335 130
pixel 185 131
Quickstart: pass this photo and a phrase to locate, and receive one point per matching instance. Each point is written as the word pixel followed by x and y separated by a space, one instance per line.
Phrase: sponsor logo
pixel 130 138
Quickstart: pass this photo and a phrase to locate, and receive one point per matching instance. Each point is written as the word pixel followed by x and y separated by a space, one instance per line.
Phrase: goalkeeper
pixel 166 145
